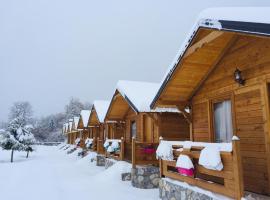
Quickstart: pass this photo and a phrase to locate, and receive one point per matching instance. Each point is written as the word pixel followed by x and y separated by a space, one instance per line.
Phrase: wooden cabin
pixel 71 134
pixel 74 128
pixel 96 124
pixel 83 126
pixel 140 126
pixel 222 74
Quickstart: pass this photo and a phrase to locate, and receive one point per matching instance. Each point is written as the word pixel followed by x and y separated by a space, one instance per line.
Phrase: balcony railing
pixel 228 182
pixel 143 153
pixel 119 153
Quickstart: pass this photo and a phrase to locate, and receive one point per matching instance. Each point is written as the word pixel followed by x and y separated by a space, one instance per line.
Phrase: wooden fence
pixel 143 153
pixel 228 182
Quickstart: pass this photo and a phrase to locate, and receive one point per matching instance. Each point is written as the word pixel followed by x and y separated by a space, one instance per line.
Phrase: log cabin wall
pixel 130 117
pixel 250 106
pixel 173 126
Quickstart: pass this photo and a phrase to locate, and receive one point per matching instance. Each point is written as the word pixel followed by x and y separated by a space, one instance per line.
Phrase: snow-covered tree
pixel 18 136
pixel 21 110
pixel 9 142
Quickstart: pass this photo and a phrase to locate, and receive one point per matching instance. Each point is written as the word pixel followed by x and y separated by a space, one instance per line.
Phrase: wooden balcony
pixel 228 182
pixel 144 153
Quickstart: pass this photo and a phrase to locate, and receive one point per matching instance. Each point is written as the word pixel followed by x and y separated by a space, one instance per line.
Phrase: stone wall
pixel 171 191
pixel 145 177
pixel 109 163
pixel 101 160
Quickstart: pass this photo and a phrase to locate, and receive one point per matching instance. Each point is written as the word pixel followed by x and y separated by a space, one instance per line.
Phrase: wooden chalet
pixel 97 127
pixel 70 133
pixel 222 76
pixel 138 125
pixel 83 126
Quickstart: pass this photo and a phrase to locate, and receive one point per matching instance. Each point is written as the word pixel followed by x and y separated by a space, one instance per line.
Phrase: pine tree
pixel 18 136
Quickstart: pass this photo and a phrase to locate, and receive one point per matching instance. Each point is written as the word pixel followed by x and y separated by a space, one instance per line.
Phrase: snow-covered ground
pixel 51 174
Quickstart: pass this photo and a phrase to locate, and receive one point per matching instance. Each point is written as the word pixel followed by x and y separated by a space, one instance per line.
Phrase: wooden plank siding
pixel 252 56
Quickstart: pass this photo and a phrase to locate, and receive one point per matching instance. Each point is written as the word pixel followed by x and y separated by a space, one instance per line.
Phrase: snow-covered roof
pixel 253 20
pixel 140 95
pixel 240 14
pixel 85 117
pixel 101 107
pixel 76 122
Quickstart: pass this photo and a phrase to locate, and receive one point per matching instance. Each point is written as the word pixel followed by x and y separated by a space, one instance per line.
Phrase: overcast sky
pixel 51 50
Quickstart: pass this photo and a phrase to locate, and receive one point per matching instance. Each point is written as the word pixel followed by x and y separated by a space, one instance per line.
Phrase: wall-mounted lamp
pixel 238 77
pixel 188 109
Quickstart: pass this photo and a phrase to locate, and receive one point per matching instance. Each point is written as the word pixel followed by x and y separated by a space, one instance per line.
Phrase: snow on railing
pixel 207 159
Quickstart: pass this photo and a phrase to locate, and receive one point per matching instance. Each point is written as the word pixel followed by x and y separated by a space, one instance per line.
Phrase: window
pixel 223 121
pixel 133 129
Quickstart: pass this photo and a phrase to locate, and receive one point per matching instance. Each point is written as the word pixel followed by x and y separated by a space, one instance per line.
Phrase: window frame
pixel 211 115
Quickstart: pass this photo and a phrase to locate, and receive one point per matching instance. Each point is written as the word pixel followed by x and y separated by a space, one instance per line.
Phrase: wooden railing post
pixel 98 146
pixel 94 143
pixel 122 149
pixel 160 160
pixel 237 168
pixel 133 154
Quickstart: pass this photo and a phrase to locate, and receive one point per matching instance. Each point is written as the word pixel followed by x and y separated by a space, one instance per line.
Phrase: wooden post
pixel 122 149
pixel 98 146
pixel 160 161
pixel 237 168
pixel 133 150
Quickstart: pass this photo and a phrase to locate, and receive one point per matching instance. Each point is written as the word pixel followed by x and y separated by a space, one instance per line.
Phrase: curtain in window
pixel 133 129
pixel 223 121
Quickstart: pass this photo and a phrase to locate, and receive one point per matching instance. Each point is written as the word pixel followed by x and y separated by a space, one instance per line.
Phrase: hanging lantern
pixel 238 77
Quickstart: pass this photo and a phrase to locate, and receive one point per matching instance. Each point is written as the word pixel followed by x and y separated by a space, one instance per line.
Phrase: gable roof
pixel 135 95
pixel 220 19
pixel 101 108
pixel 84 117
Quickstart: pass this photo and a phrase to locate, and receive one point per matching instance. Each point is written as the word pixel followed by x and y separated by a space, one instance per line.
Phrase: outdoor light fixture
pixel 188 109
pixel 238 77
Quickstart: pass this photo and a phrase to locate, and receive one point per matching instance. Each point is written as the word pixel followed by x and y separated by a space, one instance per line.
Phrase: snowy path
pixel 50 174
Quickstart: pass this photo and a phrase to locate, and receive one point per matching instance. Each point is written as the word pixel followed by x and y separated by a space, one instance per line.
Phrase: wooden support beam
pixel 185 114
pixel 209 38
pixel 133 157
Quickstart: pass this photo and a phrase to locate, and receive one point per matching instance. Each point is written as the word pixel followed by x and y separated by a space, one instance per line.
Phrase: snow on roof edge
pixel 85 114
pixel 139 95
pixel 101 108
pixel 206 20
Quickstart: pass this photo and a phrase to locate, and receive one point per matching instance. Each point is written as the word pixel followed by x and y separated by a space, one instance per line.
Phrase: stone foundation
pixel 171 191
pixel 109 163
pixel 101 160
pixel 145 177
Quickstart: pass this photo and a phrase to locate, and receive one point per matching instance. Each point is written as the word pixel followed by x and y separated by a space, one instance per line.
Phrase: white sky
pixel 51 50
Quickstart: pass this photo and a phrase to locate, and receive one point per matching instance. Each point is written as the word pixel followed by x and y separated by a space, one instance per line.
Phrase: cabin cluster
pixel 206 124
